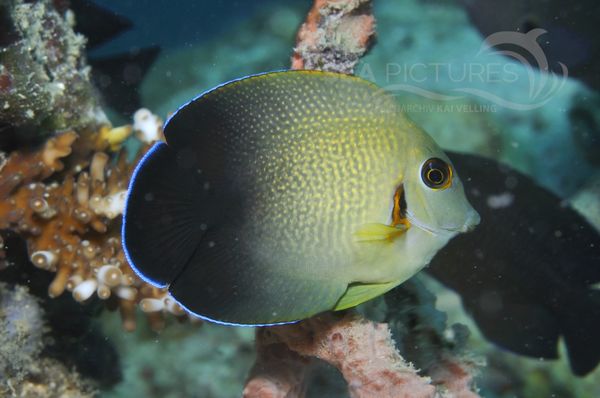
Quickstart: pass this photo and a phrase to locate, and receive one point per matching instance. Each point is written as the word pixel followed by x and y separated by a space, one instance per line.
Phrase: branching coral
pixel 72 223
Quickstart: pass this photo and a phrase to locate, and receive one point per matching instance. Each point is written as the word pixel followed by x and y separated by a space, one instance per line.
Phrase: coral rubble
pixel 22 330
pixel 334 36
pixel 44 78
pixel 23 372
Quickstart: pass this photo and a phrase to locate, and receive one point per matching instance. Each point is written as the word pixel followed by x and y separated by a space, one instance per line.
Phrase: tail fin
pixel 164 218
pixel 581 331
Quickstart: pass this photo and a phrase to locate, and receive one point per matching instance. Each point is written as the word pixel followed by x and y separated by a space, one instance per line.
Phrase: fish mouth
pixel 417 223
pixel 470 223
pixel 473 220
pixel 401 215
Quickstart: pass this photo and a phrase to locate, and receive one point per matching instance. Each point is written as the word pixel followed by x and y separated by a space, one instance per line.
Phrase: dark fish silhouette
pixel 98 24
pixel 526 273
pixel 117 76
pixel 572 31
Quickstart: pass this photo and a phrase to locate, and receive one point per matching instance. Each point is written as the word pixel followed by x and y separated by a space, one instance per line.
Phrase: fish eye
pixel 436 174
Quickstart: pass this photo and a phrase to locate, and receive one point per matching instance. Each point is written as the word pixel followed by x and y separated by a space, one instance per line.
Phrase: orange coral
pixel 72 225
pixel 22 168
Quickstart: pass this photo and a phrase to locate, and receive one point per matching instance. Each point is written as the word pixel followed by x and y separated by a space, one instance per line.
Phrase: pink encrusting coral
pixel 454 377
pixel 364 353
pixel 361 350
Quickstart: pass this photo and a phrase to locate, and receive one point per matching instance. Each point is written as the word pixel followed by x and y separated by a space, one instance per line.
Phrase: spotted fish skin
pixel 274 174
pixel 326 149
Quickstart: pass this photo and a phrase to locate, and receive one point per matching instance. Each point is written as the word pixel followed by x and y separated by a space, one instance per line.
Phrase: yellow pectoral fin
pixel 358 293
pixel 379 232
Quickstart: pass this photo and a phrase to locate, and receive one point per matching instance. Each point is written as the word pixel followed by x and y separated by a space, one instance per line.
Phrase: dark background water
pixel 172 24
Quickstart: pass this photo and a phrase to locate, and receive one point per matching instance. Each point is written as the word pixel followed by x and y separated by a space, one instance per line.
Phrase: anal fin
pixel 358 293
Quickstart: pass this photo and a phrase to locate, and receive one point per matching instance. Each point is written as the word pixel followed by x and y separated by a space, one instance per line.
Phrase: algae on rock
pixel 44 77
pixel 24 372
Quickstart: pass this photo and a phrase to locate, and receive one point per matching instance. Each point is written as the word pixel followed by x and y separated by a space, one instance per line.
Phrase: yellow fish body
pixel 282 195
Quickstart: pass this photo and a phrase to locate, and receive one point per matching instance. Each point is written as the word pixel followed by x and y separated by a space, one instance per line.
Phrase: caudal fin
pixel 164 218
pixel 581 331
